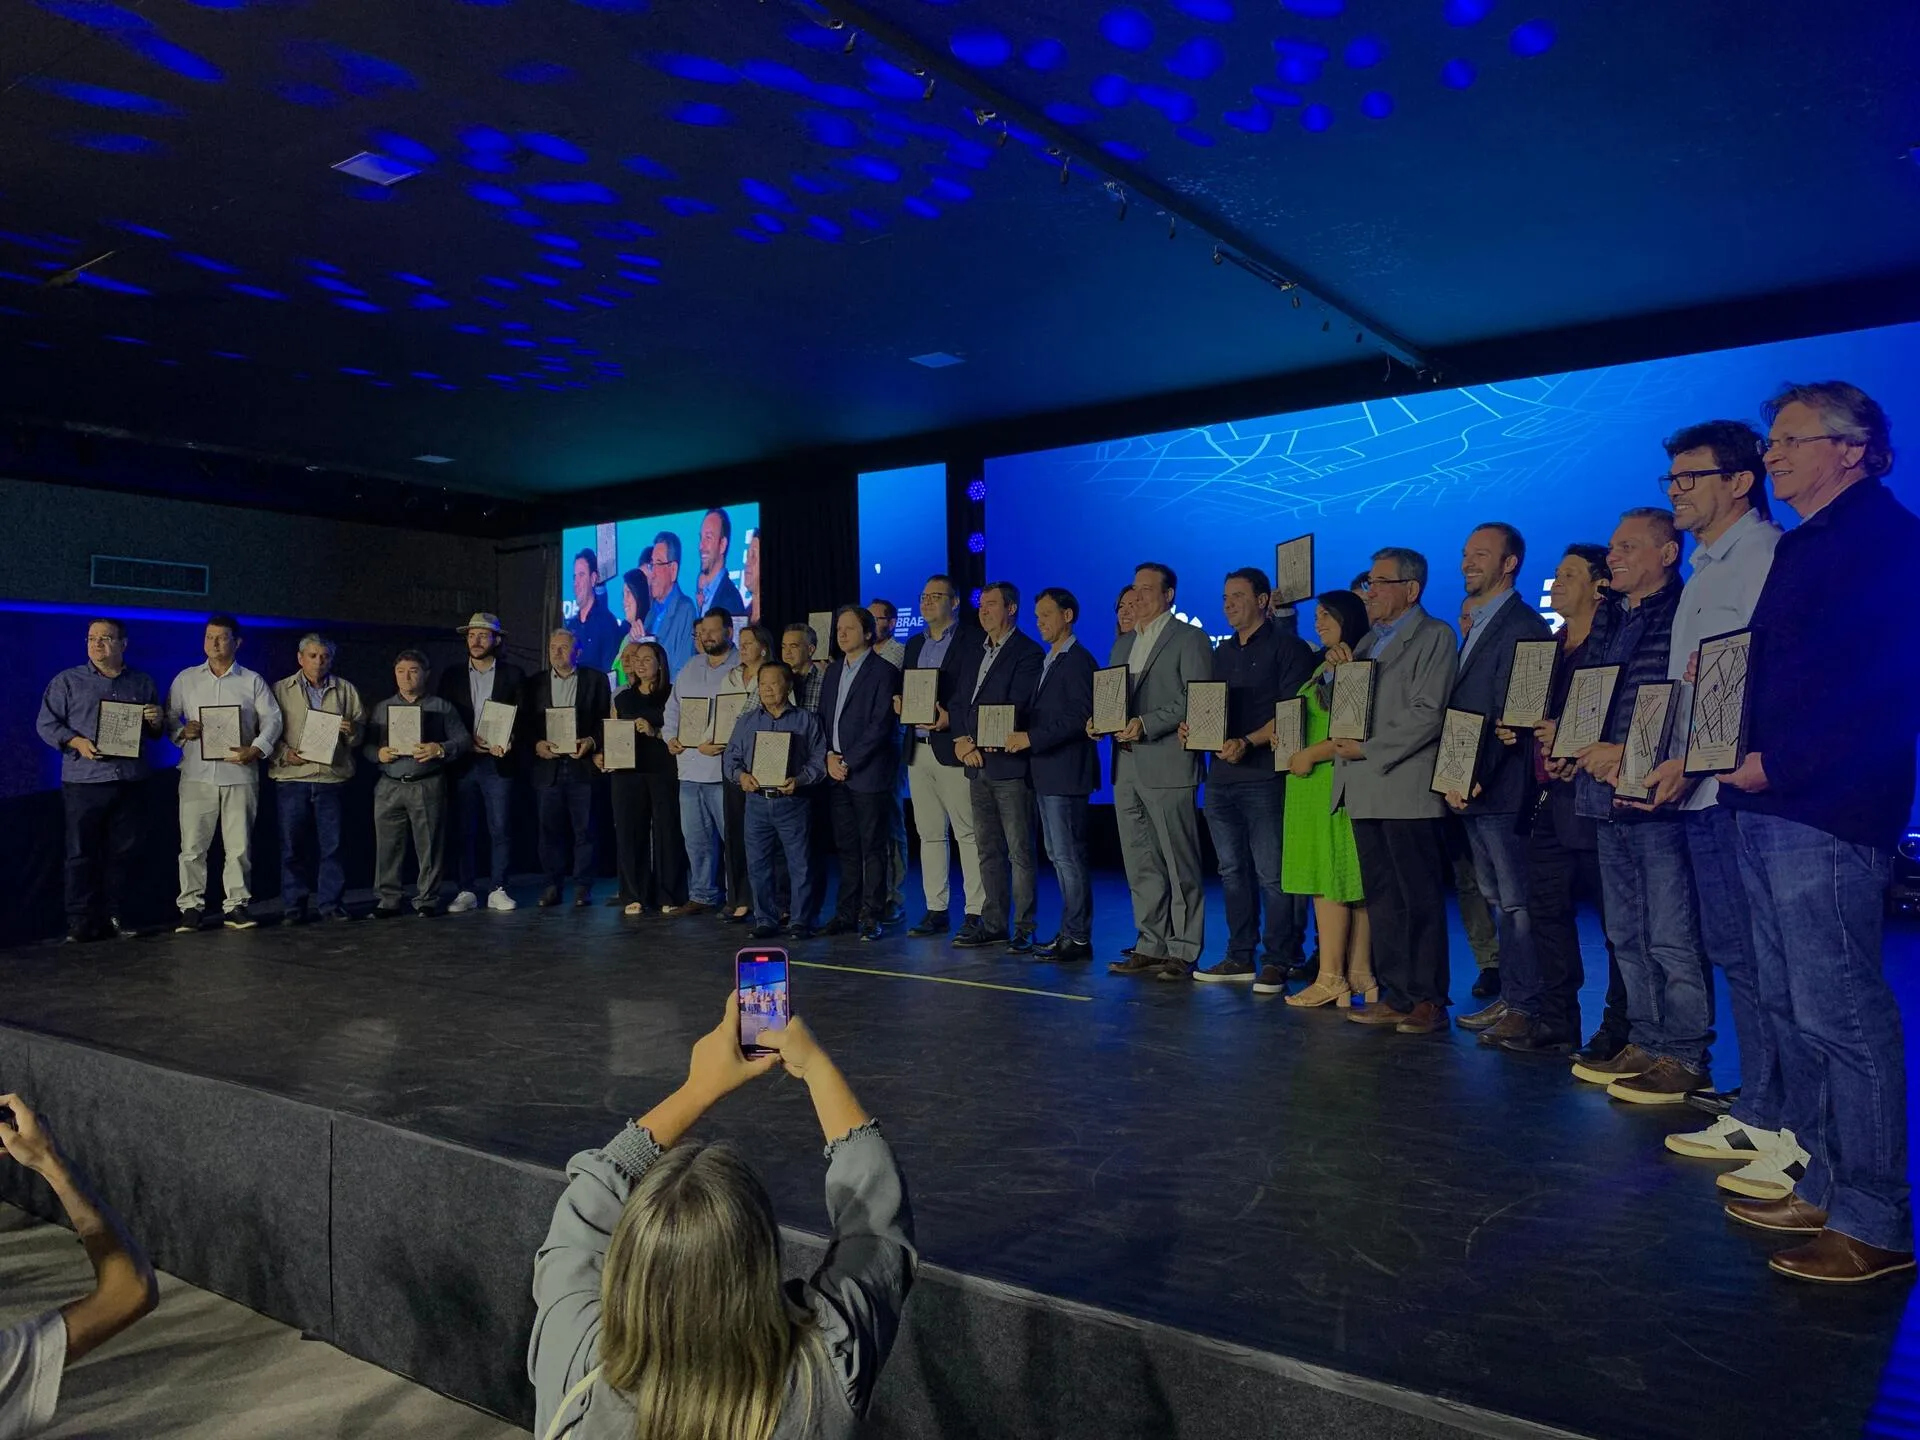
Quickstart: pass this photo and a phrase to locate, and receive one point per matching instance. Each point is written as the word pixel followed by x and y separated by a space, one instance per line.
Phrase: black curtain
pixel 810 547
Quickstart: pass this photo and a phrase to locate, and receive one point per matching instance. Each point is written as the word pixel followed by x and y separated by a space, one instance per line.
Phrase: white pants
pixel 942 800
pixel 231 808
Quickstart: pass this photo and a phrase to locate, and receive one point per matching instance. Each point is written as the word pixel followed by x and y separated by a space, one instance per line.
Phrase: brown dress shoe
pixel 1511 1026
pixel 1138 963
pixel 1426 1018
pixel 1791 1216
pixel 1484 1019
pixel 1379 1013
pixel 692 907
pixel 1836 1259
pixel 1667 1082
pixel 1630 1061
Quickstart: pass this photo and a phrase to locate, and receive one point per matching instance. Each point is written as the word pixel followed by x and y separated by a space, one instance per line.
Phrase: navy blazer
pixel 592 703
pixel 1504 773
pixel 1065 761
pixel 1011 681
pixel 869 730
pixel 962 658
pixel 453 687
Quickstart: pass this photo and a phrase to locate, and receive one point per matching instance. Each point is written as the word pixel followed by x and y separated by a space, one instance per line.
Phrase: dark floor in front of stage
pixel 1414 1210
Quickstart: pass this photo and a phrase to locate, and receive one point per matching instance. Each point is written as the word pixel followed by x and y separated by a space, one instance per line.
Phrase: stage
pixel 1144 1209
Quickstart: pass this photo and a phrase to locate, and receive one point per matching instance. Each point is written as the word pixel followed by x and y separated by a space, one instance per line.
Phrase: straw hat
pixel 480 620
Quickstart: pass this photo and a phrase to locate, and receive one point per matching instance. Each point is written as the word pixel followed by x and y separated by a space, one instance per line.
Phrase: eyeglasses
pixel 1794 442
pixel 1683 481
pixel 1366 586
pixel 937 595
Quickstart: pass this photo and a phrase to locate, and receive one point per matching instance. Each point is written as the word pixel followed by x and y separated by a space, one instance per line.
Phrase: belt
pixel 414 778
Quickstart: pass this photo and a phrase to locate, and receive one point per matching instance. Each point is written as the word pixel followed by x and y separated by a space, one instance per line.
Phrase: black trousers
pixel 1557 875
pixel 566 809
pixel 646 831
pixel 739 882
pixel 103 836
pixel 862 832
pixel 1403 865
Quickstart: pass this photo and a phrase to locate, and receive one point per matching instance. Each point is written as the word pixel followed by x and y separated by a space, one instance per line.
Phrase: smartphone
pixel 760 975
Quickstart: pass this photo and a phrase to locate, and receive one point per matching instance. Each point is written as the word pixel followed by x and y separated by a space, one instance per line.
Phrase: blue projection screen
pixel 903 537
pixel 1560 456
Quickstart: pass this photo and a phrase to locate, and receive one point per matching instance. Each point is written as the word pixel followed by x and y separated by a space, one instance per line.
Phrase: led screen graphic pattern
pixel 1560 456
pixel 903 537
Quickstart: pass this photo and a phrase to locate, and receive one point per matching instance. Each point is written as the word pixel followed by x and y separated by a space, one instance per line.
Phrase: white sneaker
pixel 466 900
pixel 1772 1176
pixel 1725 1139
pixel 500 900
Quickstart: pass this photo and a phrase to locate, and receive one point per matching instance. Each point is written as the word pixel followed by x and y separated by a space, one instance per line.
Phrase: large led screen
pixel 903 537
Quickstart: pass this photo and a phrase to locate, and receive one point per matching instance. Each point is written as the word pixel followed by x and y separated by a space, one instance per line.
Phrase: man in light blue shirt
pixel 703 824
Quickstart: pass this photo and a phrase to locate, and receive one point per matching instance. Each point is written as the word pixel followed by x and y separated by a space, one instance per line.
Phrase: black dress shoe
pixel 934 922
pixel 979 938
pixel 801 932
pixel 764 932
pixel 1539 1040
pixel 871 929
pixel 550 895
pixel 429 912
pixel 120 930
pixel 894 915
pixel 1021 943
pixel 1604 1045
pixel 1064 950
pixel 1306 969
pixel 1713 1102
pixel 82 932
pixel 1487 987
pixel 385 912
pixel 1127 954
pixel 295 915
pixel 838 926
pixel 727 917
pixel 582 897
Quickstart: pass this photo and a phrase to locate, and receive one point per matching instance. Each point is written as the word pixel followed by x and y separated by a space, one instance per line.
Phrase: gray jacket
pixel 854 1298
pixel 1410 692
pixel 1158 695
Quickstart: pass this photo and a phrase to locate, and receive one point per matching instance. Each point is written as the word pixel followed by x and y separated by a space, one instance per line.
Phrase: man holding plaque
pixel 1651 914
pixel 100 787
pixel 485 693
pixel 1383 781
pixel 323 714
pixel 1155 777
pixel 863 761
pixel 936 781
pixel 563 779
pixel 1246 799
pixel 703 813
pixel 1492 622
pixel 1004 676
pixel 1065 767
pixel 1822 800
pixel 779 806
pixel 220 788
pixel 410 797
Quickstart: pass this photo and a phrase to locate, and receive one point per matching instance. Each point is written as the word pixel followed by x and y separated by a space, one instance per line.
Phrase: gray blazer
pixel 1159 697
pixel 1411 690
pixel 1505 771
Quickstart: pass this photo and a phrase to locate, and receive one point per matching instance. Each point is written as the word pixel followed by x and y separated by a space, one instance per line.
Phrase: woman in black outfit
pixel 646 799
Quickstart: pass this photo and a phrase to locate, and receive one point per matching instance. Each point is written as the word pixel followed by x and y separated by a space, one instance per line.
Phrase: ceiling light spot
pixel 554 148
pixel 1127 29
pixel 1376 105
pixel 936 360
pixel 1217 11
pixel 487 140
pixel 258 292
pixel 1536 37
pixel 118 144
pixel 1254 120
pixel 1365 52
pixel 1468 12
pixel 1317 9
pixel 693 67
pixel 493 194
pixel 168 56
pixel 1458 74
pixel 1316 118
pixel 699 112
pixel 1044 55
pixel 1121 150
pixel 1197 58
pixel 100 97
pixel 1195 137
pixel 978 45
pixel 1112 91
pixel 573 192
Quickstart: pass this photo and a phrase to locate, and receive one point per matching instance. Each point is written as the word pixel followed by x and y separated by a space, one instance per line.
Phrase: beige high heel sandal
pixel 1325 990
pixel 1366 991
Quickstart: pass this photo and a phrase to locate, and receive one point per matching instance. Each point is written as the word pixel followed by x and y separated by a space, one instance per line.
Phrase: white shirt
pixel 33 1354
pixel 1143 642
pixel 1719 596
pixel 260 721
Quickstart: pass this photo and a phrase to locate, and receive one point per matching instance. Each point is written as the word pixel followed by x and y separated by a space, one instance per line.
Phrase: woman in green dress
pixel 1318 858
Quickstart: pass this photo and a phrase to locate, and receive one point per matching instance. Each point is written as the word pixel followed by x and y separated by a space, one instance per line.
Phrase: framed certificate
pixel 404 730
pixel 920 697
pixel 496 723
pixel 993 724
pixel 821 623
pixel 219 731
pixel 1110 700
pixel 1289 731
pixel 1583 720
pixel 1461 732
pixel 1350 712
pixel 563 729
pixel 1647 733
pixel 119 729
pixel 1717 730
pixel 696 721
pixel 1206 715
pixel 727 710
pixel 1293 571
pixel 772 757
pixel 1528 683
pixel 320 737
pixel 617 743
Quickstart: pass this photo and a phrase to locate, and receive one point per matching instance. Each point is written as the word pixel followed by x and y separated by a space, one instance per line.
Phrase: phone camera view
pixel 762 981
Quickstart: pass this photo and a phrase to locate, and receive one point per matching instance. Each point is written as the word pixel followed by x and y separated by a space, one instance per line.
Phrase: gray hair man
pixel 313 786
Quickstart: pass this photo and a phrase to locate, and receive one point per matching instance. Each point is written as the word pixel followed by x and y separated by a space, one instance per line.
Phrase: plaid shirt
pixel 1638 643
pixel 806 688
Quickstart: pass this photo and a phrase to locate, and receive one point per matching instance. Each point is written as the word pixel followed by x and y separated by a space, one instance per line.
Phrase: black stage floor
pixel 1412 1210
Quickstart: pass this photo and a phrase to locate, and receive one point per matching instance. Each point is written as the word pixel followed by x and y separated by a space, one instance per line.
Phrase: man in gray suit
pixel 1155 777
pixel 1384 783
pixel 1493 619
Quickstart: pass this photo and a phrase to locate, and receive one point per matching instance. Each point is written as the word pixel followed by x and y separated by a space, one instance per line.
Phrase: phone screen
pixel 761 978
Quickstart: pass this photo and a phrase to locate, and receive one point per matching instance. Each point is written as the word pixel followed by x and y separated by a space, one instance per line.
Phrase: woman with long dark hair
pixel 646 799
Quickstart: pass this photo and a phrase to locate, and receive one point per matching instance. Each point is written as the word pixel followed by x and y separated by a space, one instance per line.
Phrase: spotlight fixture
pixel 1218 258
pixel 984 117
pixel 1325 326
pixel 1173 224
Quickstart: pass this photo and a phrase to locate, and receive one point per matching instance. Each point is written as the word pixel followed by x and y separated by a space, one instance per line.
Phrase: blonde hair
pixel 696 1329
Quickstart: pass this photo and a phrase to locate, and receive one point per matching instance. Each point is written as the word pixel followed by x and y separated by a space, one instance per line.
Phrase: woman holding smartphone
pixel 646 799
pixel 660 1305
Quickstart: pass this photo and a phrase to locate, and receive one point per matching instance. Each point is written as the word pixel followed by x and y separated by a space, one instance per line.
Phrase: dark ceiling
pixel 648 238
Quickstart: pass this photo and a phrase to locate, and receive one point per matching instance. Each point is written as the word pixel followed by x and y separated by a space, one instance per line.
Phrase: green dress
pixel 1318 857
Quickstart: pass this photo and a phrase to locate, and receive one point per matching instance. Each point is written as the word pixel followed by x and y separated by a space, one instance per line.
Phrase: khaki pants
pixel 943 799
pixel 231 808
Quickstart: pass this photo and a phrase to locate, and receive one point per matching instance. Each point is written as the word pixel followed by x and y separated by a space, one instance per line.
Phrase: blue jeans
pixel 1652 921
pixel 310 808
pixel 1063 829
pixel 1500 872
pixel 781 825
pixel 703 826
pixel 483 792
pixel 1726 931
pixel 1815 905
pixel 1245 820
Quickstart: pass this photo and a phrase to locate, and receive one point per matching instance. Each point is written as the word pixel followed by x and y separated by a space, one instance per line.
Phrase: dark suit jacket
pixel 1010 682
pixel 1065 761
pixel 508 681
pixel 1481 686
pixel 869 730
pixel 962 658
pixel 726 595
pixel 592 703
